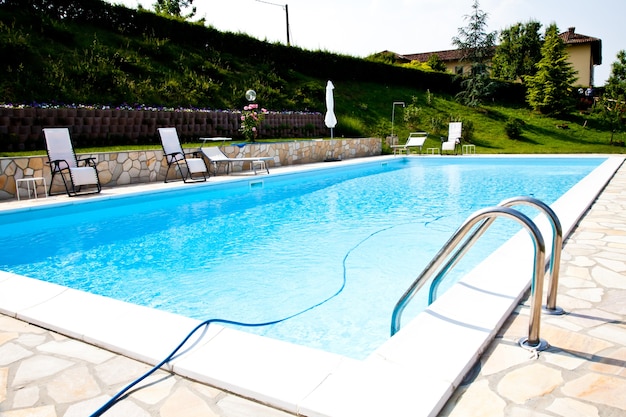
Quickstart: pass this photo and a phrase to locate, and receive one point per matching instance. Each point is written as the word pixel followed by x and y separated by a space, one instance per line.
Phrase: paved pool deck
pixel 582 373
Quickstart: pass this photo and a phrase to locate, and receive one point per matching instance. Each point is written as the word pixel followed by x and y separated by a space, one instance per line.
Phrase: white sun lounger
pixel 455 130
pixel 175 156
pixel 216 157
pixel 415 140
pixel 80 176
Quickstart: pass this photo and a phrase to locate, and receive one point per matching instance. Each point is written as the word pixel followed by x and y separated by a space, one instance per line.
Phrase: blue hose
pixel 117 397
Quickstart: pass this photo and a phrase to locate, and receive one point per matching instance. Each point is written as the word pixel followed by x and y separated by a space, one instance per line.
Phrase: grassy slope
pixel 151 64
pixel 372 104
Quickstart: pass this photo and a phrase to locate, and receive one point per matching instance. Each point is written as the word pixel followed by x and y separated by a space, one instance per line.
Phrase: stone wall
pixel 20 128
pixel 123 168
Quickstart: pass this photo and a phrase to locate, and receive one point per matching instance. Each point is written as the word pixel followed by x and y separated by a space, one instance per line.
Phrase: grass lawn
pixel 365 111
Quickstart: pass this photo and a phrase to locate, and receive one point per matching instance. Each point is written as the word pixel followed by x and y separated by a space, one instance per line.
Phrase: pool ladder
pixel 485 218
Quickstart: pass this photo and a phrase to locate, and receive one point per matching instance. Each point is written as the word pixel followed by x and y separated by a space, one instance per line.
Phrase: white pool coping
pixel 413 373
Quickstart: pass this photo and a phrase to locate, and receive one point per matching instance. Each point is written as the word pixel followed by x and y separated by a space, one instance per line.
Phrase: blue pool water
pixel 268 247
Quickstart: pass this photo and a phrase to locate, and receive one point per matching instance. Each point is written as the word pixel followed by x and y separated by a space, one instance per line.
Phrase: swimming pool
pixel 265 248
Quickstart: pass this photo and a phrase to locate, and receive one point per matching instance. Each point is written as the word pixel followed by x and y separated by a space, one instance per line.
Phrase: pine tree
pixel 476 46
pixel 549 90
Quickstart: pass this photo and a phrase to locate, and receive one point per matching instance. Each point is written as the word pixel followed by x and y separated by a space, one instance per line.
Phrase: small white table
pixel 468 149
pixel 30 181
pixel 259 163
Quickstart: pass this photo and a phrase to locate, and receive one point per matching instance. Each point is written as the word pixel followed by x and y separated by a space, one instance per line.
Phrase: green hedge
pixel 41 14
pixel 91 52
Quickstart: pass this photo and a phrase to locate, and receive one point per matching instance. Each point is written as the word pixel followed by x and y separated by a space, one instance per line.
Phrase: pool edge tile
pixel 375 389
pixel 141 333
pixel 273 372
pixel 18 293
pixel 376 386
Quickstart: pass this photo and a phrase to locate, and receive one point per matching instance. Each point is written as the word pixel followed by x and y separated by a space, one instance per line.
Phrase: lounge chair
pixel 174 155
pixel 216 157
pixel 415 140
pixel 454 137
pixel 80 176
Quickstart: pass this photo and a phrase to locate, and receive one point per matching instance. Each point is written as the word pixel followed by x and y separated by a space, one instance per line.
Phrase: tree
pixel 476 46
pixel 436 64
pixel 613 102
pixel 385 57
pixel 549 90
pixel 174 8
pixel 616 84
pixel 518 52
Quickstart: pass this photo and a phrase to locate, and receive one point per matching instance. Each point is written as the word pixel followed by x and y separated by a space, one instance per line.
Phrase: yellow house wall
pixel 580 58
pixel 578 55
pixel 452 65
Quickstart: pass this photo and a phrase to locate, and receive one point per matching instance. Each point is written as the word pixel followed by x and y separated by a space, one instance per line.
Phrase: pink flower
pixel 246 108
pixel 253 129
pixel 243 118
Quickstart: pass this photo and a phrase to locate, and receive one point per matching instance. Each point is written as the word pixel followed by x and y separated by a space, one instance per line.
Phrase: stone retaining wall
pixel 123 168
pixel 20 128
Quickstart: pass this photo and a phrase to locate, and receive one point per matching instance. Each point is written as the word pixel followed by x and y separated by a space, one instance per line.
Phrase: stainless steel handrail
pixel 457 238
pixel 557 247
pixel 555 255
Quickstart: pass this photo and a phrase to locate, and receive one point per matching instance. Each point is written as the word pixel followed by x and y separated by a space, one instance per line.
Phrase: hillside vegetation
pixel 63 52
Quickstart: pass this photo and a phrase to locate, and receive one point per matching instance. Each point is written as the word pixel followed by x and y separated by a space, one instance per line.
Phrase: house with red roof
pixel 585 52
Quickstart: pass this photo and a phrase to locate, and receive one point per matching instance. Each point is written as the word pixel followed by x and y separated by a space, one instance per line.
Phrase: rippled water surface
pixel 358 236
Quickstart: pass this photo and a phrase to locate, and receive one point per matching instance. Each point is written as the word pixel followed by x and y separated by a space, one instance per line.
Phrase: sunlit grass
pixel 365 110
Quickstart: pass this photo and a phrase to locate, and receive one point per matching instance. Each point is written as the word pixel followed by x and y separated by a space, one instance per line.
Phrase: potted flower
pixel 251 119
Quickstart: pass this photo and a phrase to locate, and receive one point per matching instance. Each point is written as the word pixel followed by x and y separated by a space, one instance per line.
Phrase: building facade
pixel 585 52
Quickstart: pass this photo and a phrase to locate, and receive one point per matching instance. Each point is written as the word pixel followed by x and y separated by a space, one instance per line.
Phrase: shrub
pixel 437 126
pixel 251 119
pixel 468 131
pixel 412 114
pixel 513 128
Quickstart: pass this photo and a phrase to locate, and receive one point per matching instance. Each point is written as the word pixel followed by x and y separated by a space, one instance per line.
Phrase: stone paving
pixel 582 373
pixel 44 374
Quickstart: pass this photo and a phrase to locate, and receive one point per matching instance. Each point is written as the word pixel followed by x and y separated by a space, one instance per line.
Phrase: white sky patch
pixel 358 28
